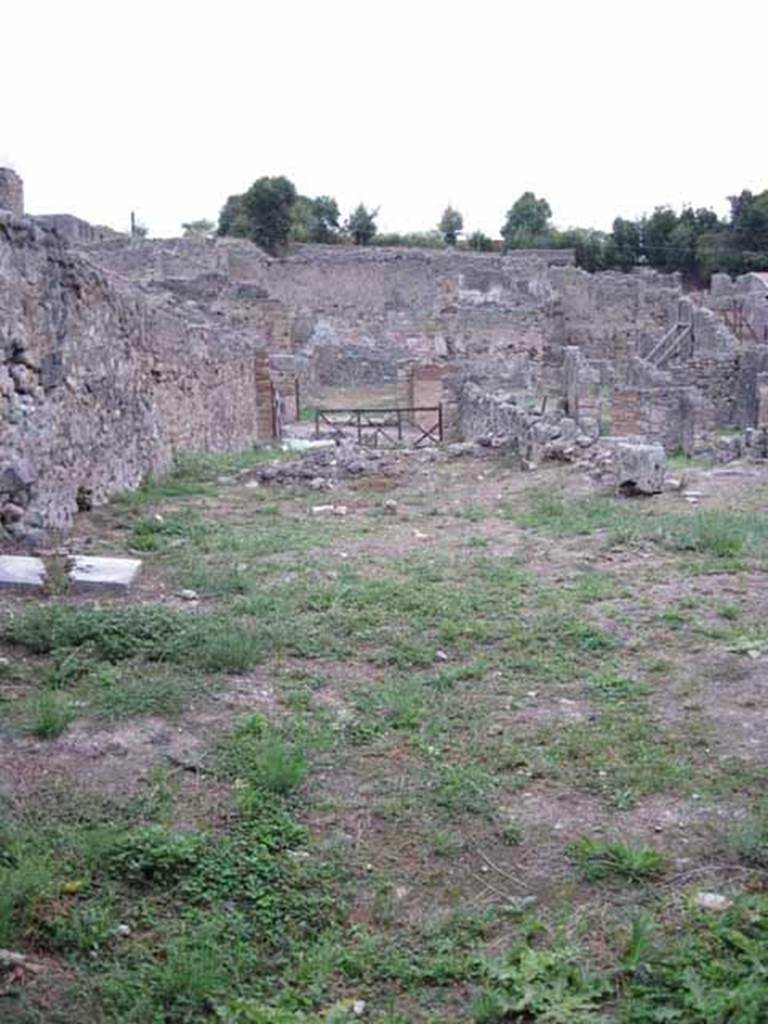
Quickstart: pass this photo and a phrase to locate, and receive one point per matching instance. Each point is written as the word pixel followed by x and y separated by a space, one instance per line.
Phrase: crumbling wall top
pixel 11 192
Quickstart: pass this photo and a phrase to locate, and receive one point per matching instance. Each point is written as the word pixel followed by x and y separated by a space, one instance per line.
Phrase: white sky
pixel 168 107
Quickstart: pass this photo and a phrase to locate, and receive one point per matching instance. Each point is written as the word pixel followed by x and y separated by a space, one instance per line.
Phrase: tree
pixel 480 242
pixel 589 247
pixel 527 223
pixel 361 224
pixel 314 220
pixel 749 229
pixel 623 248
pixel 263 213
pixel 451 225
pixel 232 219
pixel 198 228
pixel 267 206
pixel 324 220
pixel 656 232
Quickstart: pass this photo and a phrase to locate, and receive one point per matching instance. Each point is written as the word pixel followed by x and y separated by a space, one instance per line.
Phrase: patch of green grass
pixel 724 537
pixel 261 756
pixel 123 691
pixel 153 855
pixel 713 971
pixel 49 714
pixel 612 688
pixel 464 789
pixel 621 754
pixel 214 643
pixel 598 859
pixel 747 840
pixel 158 532
pixel 195 474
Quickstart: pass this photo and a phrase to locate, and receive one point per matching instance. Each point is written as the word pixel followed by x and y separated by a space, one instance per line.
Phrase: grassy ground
pixel 476 760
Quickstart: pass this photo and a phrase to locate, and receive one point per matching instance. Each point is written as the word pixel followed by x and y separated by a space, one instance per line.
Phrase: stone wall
pixel 11 192
pixel 101 385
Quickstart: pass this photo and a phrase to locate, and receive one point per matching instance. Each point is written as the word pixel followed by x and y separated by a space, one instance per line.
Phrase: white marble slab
pixel 107 575
pixel 21 572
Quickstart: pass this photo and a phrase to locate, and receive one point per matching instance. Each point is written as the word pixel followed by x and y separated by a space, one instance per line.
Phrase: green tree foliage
pixel 198 228
pixel 527 223
pixel 749 229
pixel 451 225
pixel 479 242
pixel 411 239
pixel 655 232
pixel 263 213
pixel 589 247
pixel 624 245
pixel 314 220
pixel 232 219
pixel 268 204
pixel 361 224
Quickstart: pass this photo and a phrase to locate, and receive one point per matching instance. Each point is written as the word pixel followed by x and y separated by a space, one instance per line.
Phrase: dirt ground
pixel 487 685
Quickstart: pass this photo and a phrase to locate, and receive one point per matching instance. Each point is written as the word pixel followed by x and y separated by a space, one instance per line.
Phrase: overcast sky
pixel 167 107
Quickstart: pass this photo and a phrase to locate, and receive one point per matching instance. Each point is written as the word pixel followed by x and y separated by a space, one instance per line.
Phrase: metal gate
pixel 384 428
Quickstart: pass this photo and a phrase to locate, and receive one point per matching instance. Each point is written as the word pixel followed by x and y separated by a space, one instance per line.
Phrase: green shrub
pixel 154 854
pixel 598 859
pixel 551 986
pixel 210 642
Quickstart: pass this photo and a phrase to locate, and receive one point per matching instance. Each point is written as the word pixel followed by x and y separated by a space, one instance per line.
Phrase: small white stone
pixel 188 595
pixel 358 1007
pixel 123 931
pixel 441 656
pixel 714 901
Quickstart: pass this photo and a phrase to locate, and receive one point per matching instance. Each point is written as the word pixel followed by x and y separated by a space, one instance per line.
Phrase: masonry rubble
pixel 118 353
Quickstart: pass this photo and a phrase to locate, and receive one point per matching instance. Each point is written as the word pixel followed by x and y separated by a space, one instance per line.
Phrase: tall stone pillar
pixel 11 192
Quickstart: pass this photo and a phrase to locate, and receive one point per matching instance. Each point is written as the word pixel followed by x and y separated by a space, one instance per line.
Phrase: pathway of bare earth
pixel 488 747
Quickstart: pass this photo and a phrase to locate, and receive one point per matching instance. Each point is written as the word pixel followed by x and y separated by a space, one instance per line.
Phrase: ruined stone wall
pixel 610 316
pixel 100 385
pixel 354 312
pixel 11 192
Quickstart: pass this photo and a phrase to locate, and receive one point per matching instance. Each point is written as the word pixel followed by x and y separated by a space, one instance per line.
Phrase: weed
pixel 446 844
pixel 464 789
pixel 547 985
pixel 713 971
pixel 154 854
pixel 748 840
pixel 261 757
pixel 49 714
pixel 511 833
pixel 598 859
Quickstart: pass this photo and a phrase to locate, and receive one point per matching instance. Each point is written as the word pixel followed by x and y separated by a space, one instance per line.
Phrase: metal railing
pixel 383 427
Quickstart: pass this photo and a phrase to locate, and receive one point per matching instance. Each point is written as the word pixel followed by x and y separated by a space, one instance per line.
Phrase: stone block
pixel 103 575
pixel 21 572
pixel 641 468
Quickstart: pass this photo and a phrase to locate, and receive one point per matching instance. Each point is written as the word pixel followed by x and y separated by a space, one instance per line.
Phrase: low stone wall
pixel 100 386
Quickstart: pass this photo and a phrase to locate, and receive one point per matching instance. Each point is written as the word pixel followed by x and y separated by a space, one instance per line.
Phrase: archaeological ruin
pixel 116 353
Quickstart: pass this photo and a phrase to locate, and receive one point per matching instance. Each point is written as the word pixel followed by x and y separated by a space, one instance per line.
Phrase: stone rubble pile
pixel 322 468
